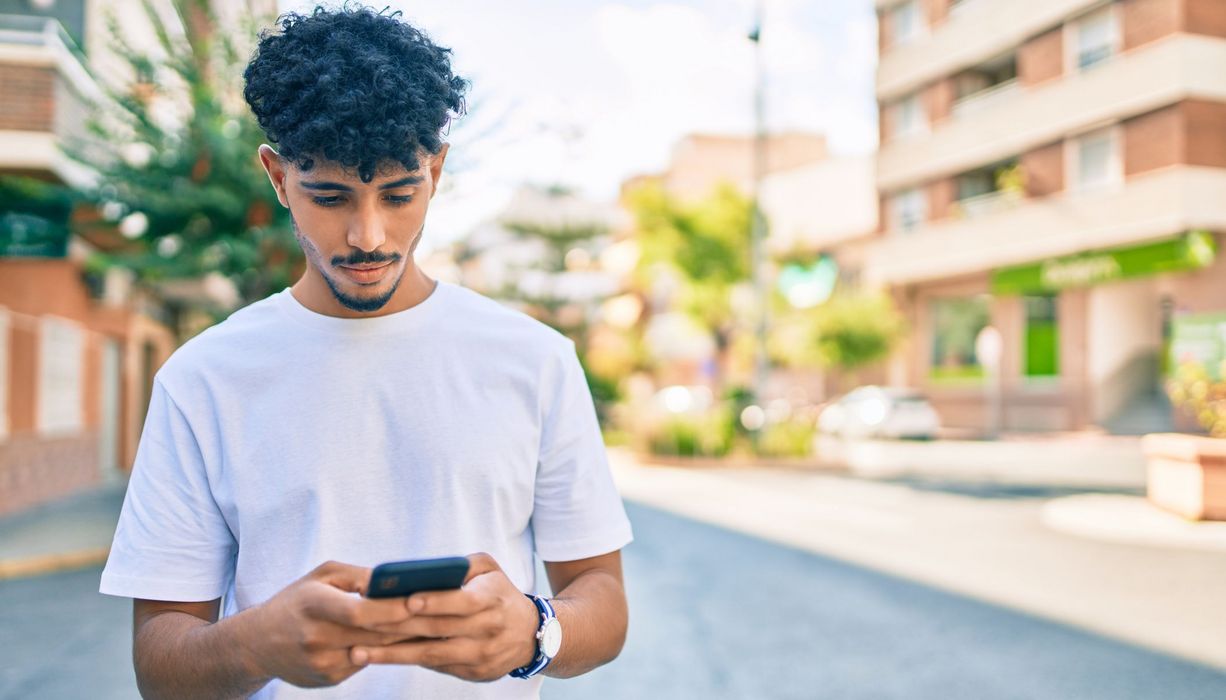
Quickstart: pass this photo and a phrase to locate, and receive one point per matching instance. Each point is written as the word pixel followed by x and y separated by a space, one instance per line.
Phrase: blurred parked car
pixel 880 412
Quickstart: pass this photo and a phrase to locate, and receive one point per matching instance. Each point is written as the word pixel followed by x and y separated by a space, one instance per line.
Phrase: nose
pixel 367 232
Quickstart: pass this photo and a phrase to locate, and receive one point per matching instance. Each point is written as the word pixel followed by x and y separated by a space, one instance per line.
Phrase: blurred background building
pixel 78 348
pixel 1053 169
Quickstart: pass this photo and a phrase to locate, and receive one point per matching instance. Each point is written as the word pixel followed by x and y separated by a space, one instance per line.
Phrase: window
pixel 1095 38
pixel 1041 352
pixel 60 369
pixel 910 210
pixel 910 117
pixel 956 324
pixel 907 21
pixel 1096 160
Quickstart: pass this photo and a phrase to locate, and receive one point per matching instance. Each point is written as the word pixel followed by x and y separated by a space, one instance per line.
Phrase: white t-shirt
pixel 282 438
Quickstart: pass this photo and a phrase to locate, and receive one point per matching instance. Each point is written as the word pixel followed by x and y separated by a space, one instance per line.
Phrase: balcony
pixel 1020 119
pixel 974 32
pixel 977 102
pixel 44 98
pixel 1004 233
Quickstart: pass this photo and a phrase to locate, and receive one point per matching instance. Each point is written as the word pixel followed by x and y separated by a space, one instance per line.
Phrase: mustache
pixel 362 258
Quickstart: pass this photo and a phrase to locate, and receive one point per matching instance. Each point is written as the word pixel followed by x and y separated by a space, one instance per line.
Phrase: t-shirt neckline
pixel 408 319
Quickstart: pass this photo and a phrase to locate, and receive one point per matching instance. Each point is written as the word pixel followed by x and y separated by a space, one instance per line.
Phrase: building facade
pixel 78 351
pixel 1056 170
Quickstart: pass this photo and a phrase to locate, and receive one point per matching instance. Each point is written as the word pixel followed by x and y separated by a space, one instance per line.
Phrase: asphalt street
pixel 715 614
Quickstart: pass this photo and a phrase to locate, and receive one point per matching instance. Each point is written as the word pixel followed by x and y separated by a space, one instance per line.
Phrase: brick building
pixel 77 353
pixel 1056 169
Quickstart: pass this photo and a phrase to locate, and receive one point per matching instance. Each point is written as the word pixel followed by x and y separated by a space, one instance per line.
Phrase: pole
pixel 758 233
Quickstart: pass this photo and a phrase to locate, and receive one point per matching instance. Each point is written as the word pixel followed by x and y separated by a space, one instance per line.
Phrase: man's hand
pixel 303 634
pixel 481 632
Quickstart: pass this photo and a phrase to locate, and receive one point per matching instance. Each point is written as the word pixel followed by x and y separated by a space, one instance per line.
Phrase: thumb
pixel 480 563
pixel 347 577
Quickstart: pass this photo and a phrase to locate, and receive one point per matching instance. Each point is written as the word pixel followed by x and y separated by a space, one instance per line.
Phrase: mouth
pixel 366 273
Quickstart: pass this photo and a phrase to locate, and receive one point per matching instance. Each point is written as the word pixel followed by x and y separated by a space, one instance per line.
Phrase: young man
pixel 367 414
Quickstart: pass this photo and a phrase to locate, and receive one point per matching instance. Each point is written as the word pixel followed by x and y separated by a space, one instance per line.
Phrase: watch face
pixel 551 637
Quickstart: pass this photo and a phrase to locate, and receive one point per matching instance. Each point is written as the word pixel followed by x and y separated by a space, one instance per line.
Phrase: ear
pixel 275 166
pixel 436 167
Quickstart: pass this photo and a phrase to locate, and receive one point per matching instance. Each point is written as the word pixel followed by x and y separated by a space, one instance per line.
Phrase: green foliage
pixel 709 435
pixel 605 391
pixel 1195 391
pixel 707 243
pixel 195 178
pixel 792 438
pixel 26 195
pixel 856 330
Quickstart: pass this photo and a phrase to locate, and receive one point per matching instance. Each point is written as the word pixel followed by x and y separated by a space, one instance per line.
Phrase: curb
pixel 1130 520
pixel 42 565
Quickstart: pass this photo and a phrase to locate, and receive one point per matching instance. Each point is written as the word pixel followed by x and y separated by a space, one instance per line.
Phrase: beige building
pixel 1055 169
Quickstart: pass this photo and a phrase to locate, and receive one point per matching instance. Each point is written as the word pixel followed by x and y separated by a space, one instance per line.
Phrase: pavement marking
pixel 52 563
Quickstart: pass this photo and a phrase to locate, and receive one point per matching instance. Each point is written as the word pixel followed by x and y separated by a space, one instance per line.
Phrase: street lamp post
pixel 758 233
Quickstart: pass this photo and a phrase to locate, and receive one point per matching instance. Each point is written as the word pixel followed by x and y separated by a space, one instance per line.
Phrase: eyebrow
pixel 338 187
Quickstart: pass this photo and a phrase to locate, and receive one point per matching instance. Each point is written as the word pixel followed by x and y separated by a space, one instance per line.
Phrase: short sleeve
pixel 172 542
pixel 577 511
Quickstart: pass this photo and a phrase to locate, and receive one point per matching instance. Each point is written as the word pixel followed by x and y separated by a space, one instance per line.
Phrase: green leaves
pixel 176 143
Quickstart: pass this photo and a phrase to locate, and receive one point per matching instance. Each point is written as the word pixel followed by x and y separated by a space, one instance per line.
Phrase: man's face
pixel 358 236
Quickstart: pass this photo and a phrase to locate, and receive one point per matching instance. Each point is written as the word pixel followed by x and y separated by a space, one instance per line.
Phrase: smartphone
pixel 398 579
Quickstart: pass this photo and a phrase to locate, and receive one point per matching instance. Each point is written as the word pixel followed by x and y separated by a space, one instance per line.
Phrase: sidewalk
pixel 71 533
pixel 1073 460
pixel 1108 563
pixel 1094 484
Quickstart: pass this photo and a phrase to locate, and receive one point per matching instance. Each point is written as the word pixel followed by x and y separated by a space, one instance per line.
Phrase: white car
pixel 880 412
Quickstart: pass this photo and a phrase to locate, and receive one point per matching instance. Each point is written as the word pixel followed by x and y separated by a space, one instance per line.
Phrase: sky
pixel 586 93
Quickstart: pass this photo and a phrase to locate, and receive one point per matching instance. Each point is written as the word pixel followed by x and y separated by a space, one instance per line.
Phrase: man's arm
pixel 301 635
pixel 487 629
pixel 180 650
pixel 591 605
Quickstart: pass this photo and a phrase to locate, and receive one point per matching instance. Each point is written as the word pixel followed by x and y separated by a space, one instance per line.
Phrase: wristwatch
pixel 548 639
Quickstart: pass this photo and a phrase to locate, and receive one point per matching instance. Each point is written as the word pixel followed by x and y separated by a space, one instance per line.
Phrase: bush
pixel 710 435
pixel 1195 390
pixel 792 438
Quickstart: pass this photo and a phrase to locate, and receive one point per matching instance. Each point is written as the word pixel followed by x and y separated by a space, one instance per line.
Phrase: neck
pixel 313 292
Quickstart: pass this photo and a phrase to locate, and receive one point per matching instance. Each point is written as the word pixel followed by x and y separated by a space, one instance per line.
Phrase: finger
pixel 332 605
pixel 455 602
pixel 444 626
pixel 480 563
pixel 347 577
pixel 429 654
pixel 328 635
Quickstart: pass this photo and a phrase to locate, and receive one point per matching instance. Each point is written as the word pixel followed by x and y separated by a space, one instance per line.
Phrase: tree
pixel 175 149
pixel 705 244
pixel 856 330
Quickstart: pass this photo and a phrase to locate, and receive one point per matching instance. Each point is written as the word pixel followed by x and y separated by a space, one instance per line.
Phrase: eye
pixel 399 199
pixel 327 201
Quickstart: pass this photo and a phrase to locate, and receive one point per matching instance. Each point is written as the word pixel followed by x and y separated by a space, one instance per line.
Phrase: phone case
pixel 402 578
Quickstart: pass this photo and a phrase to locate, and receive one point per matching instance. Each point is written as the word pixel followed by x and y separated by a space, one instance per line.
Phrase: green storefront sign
pixel 1199 338
pixel 1190 251
pixel 26 235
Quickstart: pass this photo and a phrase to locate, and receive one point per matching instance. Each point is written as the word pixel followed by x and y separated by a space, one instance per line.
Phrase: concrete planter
pixel 1186 474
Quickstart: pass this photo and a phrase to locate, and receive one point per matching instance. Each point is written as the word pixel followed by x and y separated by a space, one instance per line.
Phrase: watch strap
pixel 540 661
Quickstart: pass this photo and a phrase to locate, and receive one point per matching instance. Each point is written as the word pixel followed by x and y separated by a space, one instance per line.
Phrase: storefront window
pixel 955 326
pixel 1042 337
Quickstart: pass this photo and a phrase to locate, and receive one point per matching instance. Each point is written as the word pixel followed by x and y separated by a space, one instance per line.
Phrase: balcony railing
pixel 985 204
pixel 986 97
pixel 38 31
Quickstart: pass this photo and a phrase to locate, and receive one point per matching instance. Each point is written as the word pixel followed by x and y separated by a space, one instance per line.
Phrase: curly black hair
pixel 352 86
